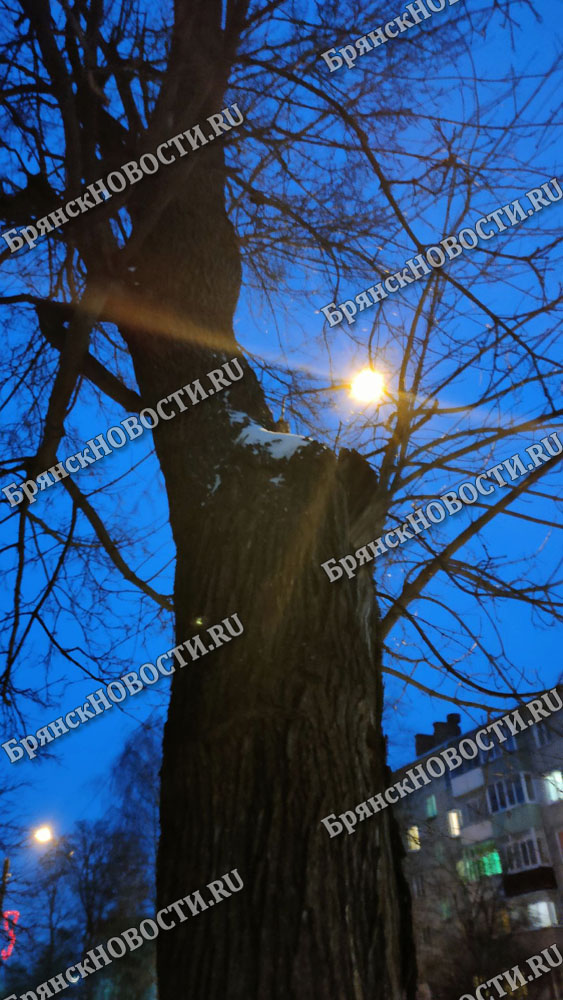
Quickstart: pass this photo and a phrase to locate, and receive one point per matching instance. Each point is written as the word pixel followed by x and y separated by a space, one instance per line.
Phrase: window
pixel 413 839
pixel 491 864
pixel 445 909
pixel 553 783
pixel 510 792
pixel 454 822
pixel 542 734
pixel 431 807
pixel 542 914
pixel 481 861
pixel 527 852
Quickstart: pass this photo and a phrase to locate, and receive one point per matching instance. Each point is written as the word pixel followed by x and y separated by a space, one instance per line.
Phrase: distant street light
pixel 43 834
pixel 367 386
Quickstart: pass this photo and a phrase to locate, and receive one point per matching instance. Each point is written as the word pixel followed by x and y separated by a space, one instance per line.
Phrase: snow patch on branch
pixel 278 445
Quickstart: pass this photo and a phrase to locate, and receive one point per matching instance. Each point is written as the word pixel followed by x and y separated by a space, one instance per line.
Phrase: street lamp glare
pixel 367 386
pixel 43 834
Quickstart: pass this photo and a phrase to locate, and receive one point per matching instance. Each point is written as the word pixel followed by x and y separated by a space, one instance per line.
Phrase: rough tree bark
pixel 269 734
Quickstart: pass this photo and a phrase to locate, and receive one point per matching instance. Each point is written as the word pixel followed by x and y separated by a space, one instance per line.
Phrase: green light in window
pixel 491 864
pixel 431 808
pixel 497 866
pixel 479 864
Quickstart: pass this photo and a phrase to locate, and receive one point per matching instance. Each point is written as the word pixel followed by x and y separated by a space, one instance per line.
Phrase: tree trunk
pixel 282 726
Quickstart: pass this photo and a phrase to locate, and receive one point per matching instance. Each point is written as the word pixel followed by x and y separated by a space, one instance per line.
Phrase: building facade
pixel 484 859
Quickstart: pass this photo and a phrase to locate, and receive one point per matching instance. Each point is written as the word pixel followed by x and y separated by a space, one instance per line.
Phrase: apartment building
pixel 484 859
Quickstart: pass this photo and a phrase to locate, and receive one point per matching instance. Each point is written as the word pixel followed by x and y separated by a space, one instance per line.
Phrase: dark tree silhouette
pixel 283 726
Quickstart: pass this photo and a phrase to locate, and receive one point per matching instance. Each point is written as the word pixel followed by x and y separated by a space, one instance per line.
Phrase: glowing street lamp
pixel 43 834
pixel 367 386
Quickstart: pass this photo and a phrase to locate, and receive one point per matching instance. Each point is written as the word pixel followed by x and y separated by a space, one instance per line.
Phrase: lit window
pixel 431 807
pixel 554 786
pixel 413 839
pixel 454 822
pixel 482 861
pixel 542 914
pixel 490 864
pixel 468 870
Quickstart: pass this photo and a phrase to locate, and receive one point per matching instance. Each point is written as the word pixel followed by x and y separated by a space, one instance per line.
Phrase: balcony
pixel 529 880
pixel 474 833
pixel 468 782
